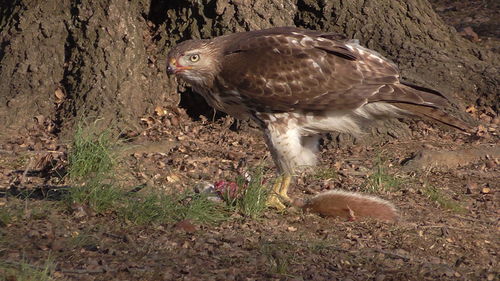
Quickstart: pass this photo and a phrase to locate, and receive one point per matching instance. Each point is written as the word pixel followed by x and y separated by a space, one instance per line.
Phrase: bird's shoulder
pixel 286 69
pixel 285 41
pixel 298 47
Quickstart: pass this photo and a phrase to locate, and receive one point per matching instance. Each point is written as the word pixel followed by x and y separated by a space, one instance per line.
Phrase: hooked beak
pixel 174 68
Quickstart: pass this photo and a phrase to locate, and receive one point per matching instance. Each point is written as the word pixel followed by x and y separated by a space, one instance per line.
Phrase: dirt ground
pixel 444 184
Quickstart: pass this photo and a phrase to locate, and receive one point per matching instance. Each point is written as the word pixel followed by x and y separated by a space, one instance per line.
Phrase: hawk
pixel 298 84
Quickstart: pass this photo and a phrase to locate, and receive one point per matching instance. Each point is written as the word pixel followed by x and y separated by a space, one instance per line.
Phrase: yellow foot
pixel 274 202
pixel 285 197
pixel 279 196
pixel 283 188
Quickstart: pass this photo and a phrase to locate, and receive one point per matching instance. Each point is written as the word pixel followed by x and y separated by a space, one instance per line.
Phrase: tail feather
pixel 434 114
pixel 428 95
pixel 419 101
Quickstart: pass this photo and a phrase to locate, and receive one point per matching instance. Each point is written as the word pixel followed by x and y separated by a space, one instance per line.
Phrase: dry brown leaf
pixel 173 178
pixel 60 95
pixel 160 111
pixel 471 109
pixel 485 190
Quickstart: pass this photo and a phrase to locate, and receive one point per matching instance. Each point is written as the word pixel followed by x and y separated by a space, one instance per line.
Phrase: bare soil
pixel 453 236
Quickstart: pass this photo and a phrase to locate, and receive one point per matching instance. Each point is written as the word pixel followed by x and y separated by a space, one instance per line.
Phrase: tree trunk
pixel 104 60
pixel 71 61
pixel 32 57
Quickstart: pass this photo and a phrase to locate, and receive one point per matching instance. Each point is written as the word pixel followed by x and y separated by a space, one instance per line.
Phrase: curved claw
pixel 279 193
pixel 274 202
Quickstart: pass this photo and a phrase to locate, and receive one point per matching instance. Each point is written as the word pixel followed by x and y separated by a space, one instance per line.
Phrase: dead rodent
pixel 349 205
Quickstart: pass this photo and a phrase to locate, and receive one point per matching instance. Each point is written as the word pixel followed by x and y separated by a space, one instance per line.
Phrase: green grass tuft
pixel 6 217
pixel 24 271
pixel 168 208
pixel 149 209
pixel 323 173
pixel 198 208
pixel 83 240
pixel 319 246
pixel 90 154
pixel 442 200
pixel 380 180
pixel 278 256
pixel 91 162
pixel 252 201
pixel 100 197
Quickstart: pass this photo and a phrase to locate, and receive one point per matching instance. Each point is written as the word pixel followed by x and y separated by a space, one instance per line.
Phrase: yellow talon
pixel 274 202
pixel 279 192
pixel 283 189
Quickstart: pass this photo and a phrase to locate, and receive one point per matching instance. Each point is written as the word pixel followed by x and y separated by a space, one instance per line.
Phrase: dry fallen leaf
pixel 471 109
pixel 59 95
pixel 471 187
pixel 468 33
pixel 481 131
pixel 148 120
pixel 160 111
pixel 173 178
pixel 185 225
pixel 485 190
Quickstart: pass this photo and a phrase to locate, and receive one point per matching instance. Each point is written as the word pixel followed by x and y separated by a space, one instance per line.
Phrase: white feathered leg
pixel 290 151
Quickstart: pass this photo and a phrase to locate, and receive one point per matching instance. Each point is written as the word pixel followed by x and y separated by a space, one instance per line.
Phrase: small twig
pixel 119 237
pixel 441 226
pixel 356 174
pixel 82 271
pixel 15 263
pixel 28 168
pixel 392 254
pixel 36 152
pixel 467 218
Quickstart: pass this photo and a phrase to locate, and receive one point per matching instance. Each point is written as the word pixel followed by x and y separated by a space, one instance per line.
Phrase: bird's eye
pixel 194 58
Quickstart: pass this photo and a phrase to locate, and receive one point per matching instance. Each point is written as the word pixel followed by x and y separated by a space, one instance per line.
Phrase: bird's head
pixel 195 61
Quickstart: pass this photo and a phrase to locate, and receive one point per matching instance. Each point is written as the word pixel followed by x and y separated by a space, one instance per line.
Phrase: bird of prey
pixel 298 84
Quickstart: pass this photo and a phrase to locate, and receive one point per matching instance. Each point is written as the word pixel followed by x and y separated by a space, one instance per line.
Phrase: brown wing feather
pixel 294 69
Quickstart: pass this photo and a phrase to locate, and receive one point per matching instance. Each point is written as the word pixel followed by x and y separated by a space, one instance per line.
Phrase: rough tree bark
pixel 72 60
pixel 107 57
